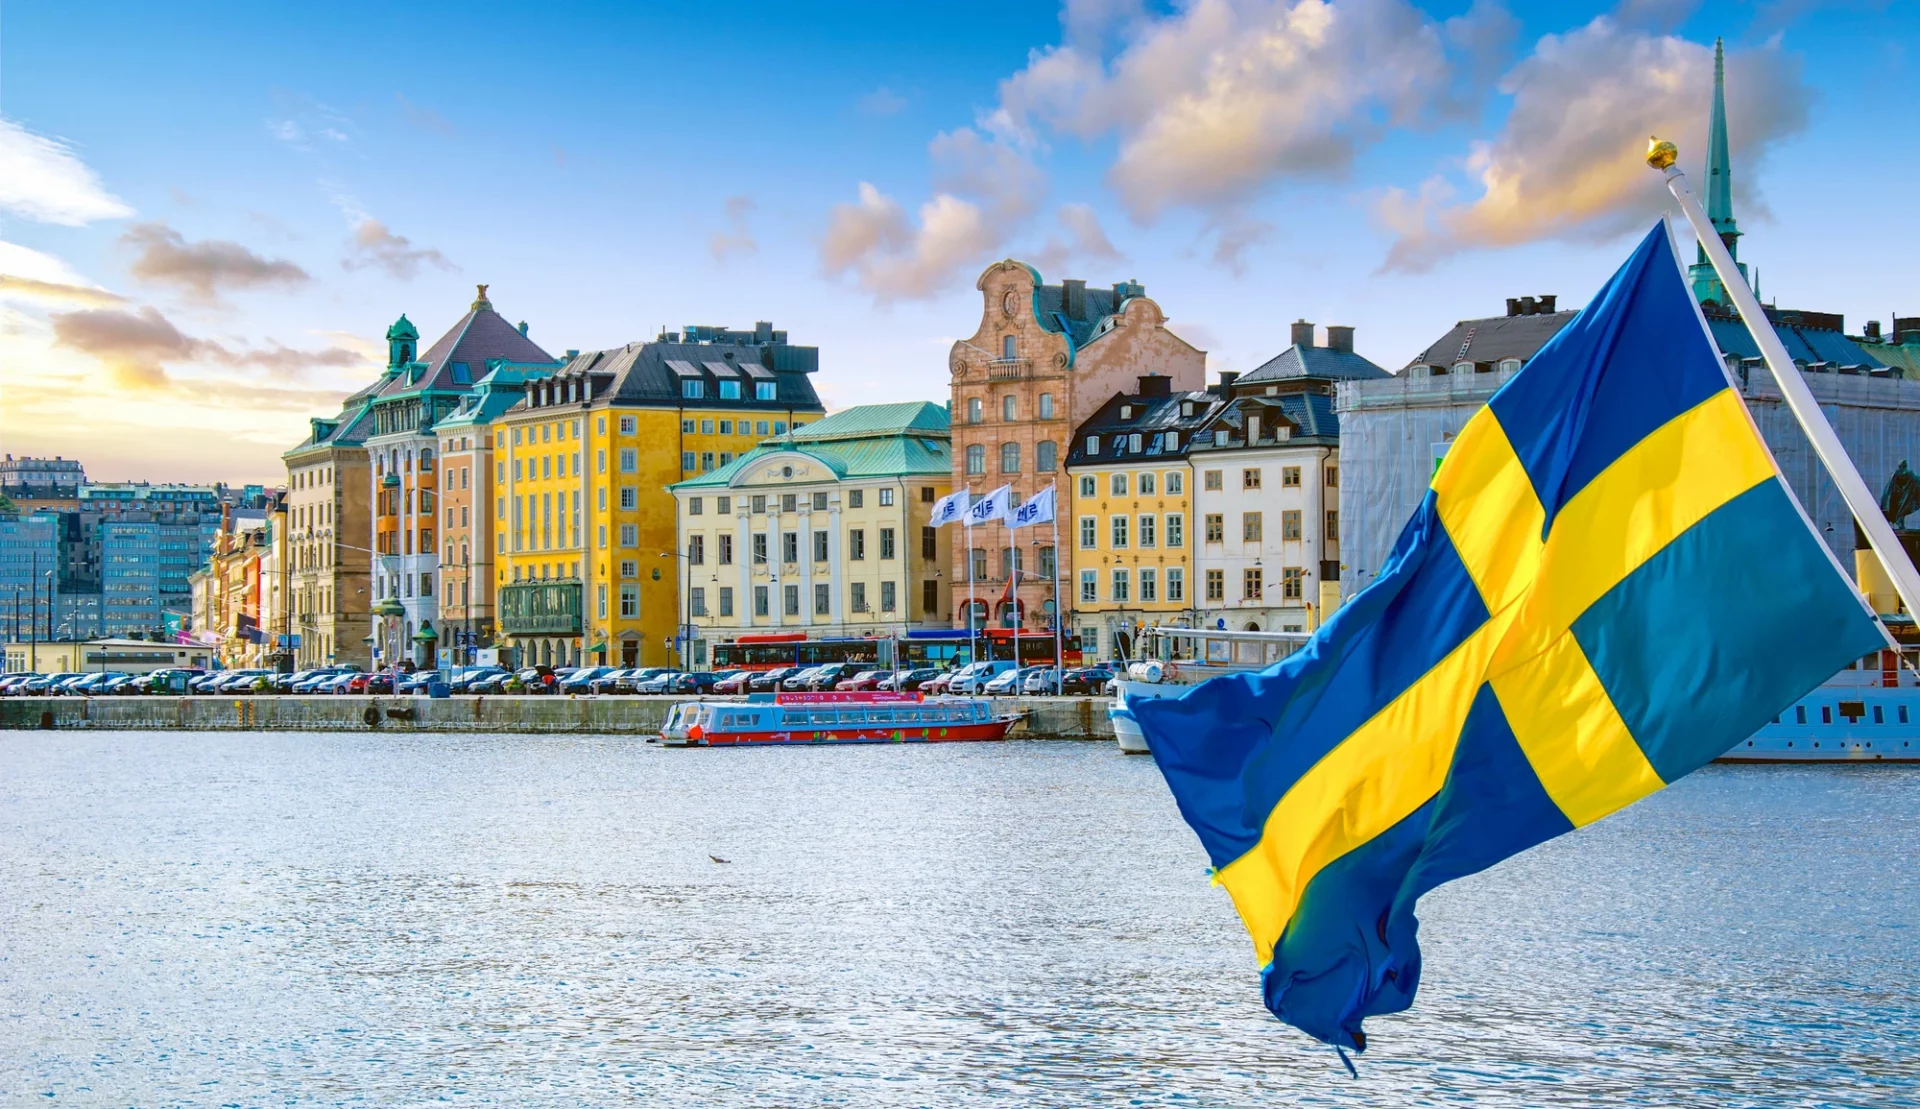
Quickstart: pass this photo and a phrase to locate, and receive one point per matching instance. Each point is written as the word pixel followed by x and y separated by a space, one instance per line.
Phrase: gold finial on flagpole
pixel 1661 154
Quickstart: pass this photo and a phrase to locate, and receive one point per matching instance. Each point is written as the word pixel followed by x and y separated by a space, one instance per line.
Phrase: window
pixel 886 498
pixel 629 568
pixel 1333 477
pixel 1121 582
pixel 1046 456
pixel 1147 484
pixel 1176 584
pixel 857 543
pixel 600 602
pixel 1250 583
pixel 706 461
pixel 790 600
pixel 976 410
pixel 1149 585
pixel 789 502
pixel 1250 478
pixel 1117 485
pixel 726 457
pixel 759 548
pixel 790 546
pixel 1007 348
pixel 819 502
pixel 1093 444
pixel 822 599
pixel 1289 478
pixel 886 543
pixel 1292 583
pixel 859 596
pixel 1210 480
pixel 629 600
pixel 697 601
pixel 1176 529
pixel 1133 442
pixel 780 426
pixel 929 544
pixel 759 504
pixel 687 461
pixel 1216 527
pixel 1176 483
pixel 603 538
pixel 600 461
pixel 629 496
pixel 706 427
pixel 1250 527
pixel 686 427
pixel 729 390
pixel 725 551
pixel 1117 528
pixel 630 461
pixel 626 425
pixel 726 600
pixel 697 550
pixel 1216 585
pixel 1333 525
pixel 1290 524
pixel 929 598
pixel 1089 532
pixel 692 389
pixel 976 459
pixel 887 596
pixel 723 505
pixel 1089 486
pixel 696 505
pixel 1148 529
pixel 760 600
pixel 1046 406
pixel 766 390
pixel 1009 458
pixel 1089 586
pixel 856 498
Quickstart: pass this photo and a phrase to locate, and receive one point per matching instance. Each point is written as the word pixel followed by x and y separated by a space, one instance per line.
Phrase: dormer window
pixel 1093 444
pixel 693 389
pixel 1126 411
pixel 1186 409
pixel 1463 367
pixel 1509 365
pixel 1221 436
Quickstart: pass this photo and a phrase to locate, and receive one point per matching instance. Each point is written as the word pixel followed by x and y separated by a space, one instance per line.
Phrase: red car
pixel 735 684
pixel 864 680
pixel 936 685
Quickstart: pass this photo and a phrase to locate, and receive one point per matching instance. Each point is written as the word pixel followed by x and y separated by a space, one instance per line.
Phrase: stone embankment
pixel 1045 717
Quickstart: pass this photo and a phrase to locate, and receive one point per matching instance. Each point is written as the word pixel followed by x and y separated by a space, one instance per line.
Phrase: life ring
pixel 371 716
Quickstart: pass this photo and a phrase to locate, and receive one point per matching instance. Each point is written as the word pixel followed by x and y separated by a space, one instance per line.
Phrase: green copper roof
pixel 863 420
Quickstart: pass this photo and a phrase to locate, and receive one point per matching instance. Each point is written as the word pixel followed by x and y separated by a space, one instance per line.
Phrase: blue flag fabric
pixel 1607 586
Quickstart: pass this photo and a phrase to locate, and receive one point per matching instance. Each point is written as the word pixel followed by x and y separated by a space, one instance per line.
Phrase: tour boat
pixel 1175 660
pixel 868 717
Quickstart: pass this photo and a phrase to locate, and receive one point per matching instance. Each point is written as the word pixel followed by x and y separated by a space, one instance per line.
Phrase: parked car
pixel 971 677
pixel 736 682
pixel 536 679
pixel 1007 682
pixel 770 681
pixel 864 681
pixel 465 679
pixel 609 681
pixel 1086 681
pixel 656 682
pixel 581 680
pixel 415 684
pixel 937 684
pixel 11 684
pixel 74 686
pixel 698 681
pixel 1040 681
pixel 906 681
pixel 825 676
pixel 634 677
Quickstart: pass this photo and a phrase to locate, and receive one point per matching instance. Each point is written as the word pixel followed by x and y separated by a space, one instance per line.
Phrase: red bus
pixel 930 647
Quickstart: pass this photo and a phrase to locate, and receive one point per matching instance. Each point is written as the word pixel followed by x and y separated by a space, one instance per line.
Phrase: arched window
pixel 1009 458
pixel 1045 456
pixel 976 459
pixel 426 459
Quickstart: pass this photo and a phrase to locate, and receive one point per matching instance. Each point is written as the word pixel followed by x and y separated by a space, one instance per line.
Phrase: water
pixel 245 919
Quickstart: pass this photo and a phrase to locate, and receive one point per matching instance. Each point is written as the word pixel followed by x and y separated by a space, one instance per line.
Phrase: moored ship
pixel 822 718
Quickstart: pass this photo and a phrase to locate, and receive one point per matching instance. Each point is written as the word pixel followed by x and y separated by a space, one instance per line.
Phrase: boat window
pixel 1877 717
pixel 1826 714
pixel 1902 712
pixel 1799 714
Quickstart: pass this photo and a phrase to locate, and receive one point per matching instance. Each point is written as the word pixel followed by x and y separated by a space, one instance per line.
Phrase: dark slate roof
pixel 349 429
pixel 1804 344
pixel 1494 338
pixel 1298 362
pixel 638 374
pixel 1309 417
pixel 1151 417
pixel 481 336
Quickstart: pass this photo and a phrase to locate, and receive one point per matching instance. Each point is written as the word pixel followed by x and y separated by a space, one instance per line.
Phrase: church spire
pixel 1706 283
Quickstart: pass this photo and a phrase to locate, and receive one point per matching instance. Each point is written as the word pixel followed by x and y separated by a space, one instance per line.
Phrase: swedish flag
pixel 1607 586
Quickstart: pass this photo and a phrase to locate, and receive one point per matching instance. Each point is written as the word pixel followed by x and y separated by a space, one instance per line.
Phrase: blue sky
pixel 215 213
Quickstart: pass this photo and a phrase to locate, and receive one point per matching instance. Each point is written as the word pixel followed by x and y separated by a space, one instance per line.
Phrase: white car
pixel 974 676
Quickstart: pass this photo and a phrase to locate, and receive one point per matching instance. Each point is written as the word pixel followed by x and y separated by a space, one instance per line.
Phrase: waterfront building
pixel 822 531
pixel 1126 513
pixel 42 484
pixel 1041 361
pixel 329 517
pixel 29 557
pixel 416 391
pixel 585 540
pixel 117 656
pixel 468 507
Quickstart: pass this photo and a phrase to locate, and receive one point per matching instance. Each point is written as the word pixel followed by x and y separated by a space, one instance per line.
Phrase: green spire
pixel 1706 283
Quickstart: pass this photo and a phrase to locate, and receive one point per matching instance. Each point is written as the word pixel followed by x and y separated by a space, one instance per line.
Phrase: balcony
pixel 1009 369
pixel 540 607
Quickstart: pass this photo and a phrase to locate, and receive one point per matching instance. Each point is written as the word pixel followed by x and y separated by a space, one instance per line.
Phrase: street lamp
pixel 684 633
pixel 392 614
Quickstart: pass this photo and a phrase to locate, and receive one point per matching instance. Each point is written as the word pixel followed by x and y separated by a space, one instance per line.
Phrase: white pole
pixel 1793 388
pixel 973 649
pixel 1057 638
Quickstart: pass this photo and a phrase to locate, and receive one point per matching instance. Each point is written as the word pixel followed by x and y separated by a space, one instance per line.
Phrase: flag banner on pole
pixel 949 509
pixel 1036 511
pixel 991 507
pixel 1607 586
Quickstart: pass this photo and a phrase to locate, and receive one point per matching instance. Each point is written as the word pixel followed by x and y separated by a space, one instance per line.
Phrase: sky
pixel 210 213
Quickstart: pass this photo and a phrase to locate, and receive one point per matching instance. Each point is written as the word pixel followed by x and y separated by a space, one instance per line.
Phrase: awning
pixel 426 634
pixel 597 648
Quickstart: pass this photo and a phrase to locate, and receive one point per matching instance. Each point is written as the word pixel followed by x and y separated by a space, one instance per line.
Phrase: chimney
pixel 1546 304
pixel 1906 329
pixel 1873 330
pixel 1073 296
pixel 523 328
pixel 1155 385
pixel 763 331
pixel 1513 306
pixel 1340 338
pixel 1227 378
pixel 1302 333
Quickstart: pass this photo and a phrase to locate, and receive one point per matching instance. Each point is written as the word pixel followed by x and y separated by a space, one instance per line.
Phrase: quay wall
pixel 1045 717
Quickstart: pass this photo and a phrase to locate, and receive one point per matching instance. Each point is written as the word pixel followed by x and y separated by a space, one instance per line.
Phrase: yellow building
pixel 1128 524
pixel 585 543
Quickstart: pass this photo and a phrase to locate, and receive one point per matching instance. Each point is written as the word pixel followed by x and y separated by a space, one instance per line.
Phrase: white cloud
pixel 42 179
pixel 1080 240
pixel 1568 164
pixel 883 101
pixel 738 237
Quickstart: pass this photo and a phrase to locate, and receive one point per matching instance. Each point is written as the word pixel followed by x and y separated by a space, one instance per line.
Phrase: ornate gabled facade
pixel 1041 361
pixel 414 394
pixel 328 521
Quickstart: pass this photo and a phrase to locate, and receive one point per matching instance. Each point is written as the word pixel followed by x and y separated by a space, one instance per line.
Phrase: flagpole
pixel 1057 639
pixel 973 648
pixel 1013 582
pixel 1793 387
